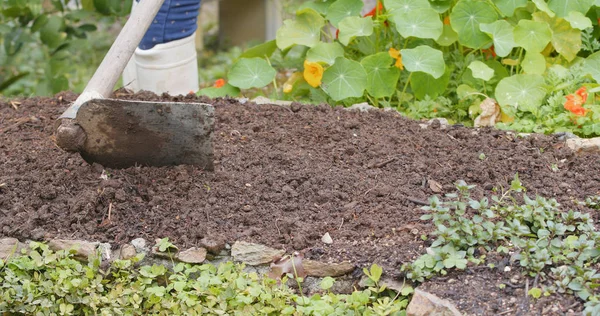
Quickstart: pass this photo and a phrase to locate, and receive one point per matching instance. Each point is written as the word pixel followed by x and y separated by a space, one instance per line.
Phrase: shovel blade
pixel 120 134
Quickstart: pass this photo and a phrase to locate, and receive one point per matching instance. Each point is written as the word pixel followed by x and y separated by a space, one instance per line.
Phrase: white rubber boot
pixel 171 67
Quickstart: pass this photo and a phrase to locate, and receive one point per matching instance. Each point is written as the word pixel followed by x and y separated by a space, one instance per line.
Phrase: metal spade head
pixel 121 134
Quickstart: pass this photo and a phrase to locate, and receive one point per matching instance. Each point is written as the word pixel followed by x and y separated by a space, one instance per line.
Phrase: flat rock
pixel 321 269
pixel 192 255
pixel 127 252
pixel 213 245
pixel 427 304
pixel 578 145
pixel 140 245
pixel 83 249
pixel 10 247
pixel 254 254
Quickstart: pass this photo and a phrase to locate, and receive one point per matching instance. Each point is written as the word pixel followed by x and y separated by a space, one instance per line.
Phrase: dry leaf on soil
pixel 288 264
pixel 435 186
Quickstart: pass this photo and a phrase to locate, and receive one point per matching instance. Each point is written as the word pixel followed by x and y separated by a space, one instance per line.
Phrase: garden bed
pixel 285 176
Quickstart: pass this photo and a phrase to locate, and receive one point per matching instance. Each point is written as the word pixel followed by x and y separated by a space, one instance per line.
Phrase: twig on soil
pixel 382 163
pixel 15 105
pixel 4 184
pixel 109 211
pixel 277 226
pixel 339 228
pixel 417 201
pixel 505 312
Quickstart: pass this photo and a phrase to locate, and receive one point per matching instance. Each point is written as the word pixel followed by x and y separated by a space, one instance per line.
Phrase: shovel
pixel 119 133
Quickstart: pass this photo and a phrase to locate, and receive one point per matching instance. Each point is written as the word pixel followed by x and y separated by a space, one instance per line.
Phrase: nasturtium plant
pixel 421 56
pixel 251 73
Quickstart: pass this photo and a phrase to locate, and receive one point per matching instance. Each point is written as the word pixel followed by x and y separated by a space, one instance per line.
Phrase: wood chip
pixel 435 186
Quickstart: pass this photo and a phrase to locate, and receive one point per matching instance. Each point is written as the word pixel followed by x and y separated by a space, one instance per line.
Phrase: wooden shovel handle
pixel 106 76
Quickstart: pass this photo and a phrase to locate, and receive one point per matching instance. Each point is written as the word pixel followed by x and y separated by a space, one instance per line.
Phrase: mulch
pixel 285 176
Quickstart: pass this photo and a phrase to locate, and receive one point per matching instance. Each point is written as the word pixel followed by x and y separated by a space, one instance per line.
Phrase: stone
pixel 105 251
pixel 213 245
pixel 10 247
pixel 321 269
pixel 588 145
pixel 427 304
pixel 254 254
pixel 140 245
pixel 192 255
pixel 83 249
pixel 362 107
pixel 326 239
pixel 127 252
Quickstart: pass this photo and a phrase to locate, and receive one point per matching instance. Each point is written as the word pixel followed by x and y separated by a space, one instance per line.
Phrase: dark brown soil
pixel 284 177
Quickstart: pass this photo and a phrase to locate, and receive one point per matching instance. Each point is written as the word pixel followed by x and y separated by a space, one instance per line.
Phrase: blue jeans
pixel 175 20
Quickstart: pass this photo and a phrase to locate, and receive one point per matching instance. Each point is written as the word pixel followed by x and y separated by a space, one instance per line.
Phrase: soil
pixel 283 177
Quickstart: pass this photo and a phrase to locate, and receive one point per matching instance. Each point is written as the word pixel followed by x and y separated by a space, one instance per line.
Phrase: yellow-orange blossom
pixel 313 73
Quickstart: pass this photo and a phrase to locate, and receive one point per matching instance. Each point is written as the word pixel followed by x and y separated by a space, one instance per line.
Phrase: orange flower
pixel 376 10
pixel 313 73
pixel 219 83
pixel 394 53
pixel 447 20
pixel 575 101
pixel 489 52
pixel 288 86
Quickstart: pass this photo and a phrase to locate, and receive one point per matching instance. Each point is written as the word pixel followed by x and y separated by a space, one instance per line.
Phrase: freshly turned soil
pixel 283 177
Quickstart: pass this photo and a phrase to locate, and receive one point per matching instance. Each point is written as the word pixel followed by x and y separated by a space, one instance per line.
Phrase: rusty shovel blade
pixel 121 134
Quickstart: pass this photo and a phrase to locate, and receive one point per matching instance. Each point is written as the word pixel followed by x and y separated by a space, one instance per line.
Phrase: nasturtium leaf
pixel 591 66
pixel 325 52
pixel 448 37
pixel 304 30
pixel 423 84
pixel 543 6
pixel 249 73
pixel 405 6
pixel 578 20
pixel 318 5
pixel 481 70
pixel 345 79
pixel 440 6
pixel 563 7
pixel 354 26
pixel 532 35
pixel 507 7
pixel 382 76
pixel 502 35
pixel 534 63
pixel 522 90
pixel 261 50
pixel 565 39
pixel 424 58
pixel 422 23
pixel 466 17
pixel 342 9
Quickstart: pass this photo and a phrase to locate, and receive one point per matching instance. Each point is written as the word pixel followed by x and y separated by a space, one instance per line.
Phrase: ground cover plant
pixel 41 281
pixel 438 58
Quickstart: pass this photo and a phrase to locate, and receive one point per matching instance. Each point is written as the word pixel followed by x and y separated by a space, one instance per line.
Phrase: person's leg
pixel 165 60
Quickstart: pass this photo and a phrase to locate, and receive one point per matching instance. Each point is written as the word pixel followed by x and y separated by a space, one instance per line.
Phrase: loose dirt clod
pixel 308 173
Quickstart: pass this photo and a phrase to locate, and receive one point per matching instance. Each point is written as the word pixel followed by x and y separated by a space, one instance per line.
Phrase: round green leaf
pixel 345 79
pixel 507 7
pixel 441 6
pixel 422 23
pixel 481 70
pixel 502 35
pixel 523 90
pixel 423 84
pixel 466 17
pixel 382 77
pixel 354 26
pixel 249 73
pixel 325 52
pixel 591 66
pixel 543 6
pixel 405 6
pixel 424 58
pixel 342 9
pixel 448 36
pixel 565 39
pixel 320 6
pixel 304 30
pixel 578 20
pixel 532 35
pixel 563 7
pixel 534 63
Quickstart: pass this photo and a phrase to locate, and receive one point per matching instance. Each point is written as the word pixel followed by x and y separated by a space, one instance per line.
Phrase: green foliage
pixel 41 281
pixel 560 246
pixel 504 49
pixel 42 42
